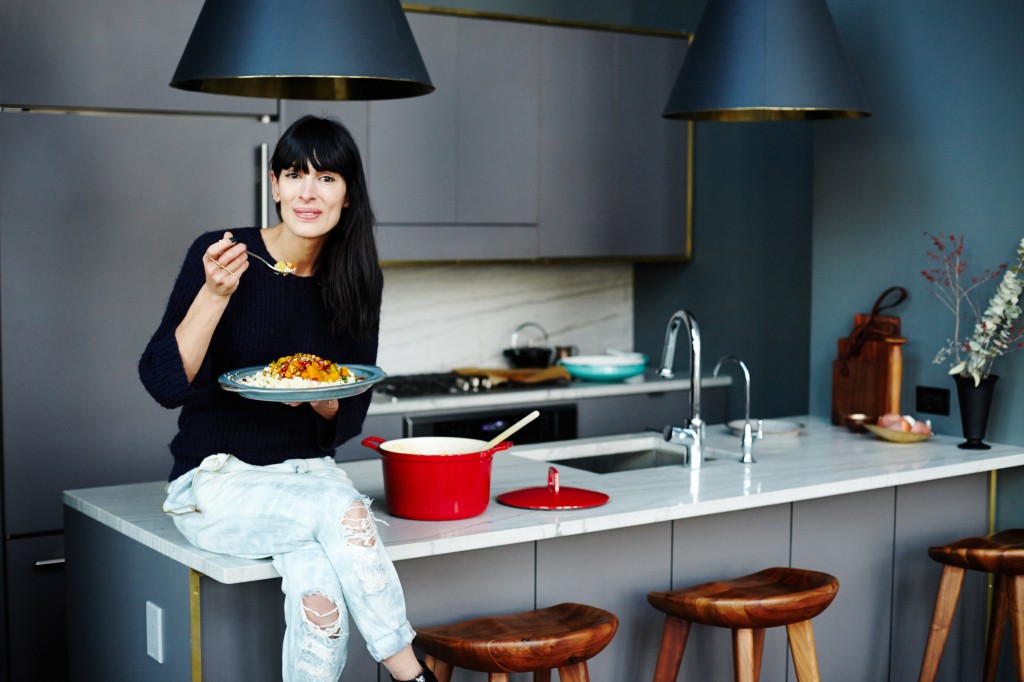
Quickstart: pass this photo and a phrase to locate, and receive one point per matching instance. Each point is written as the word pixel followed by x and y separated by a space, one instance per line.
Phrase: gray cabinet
pixel 540 142
pixel 36 597
pixel 647 411
pixel 104 54
pixel 453 174
pixel 467 153
pixel 613 171
pixel 96 213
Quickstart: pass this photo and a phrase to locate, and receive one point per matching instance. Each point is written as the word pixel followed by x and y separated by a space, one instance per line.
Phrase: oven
pixel 556 422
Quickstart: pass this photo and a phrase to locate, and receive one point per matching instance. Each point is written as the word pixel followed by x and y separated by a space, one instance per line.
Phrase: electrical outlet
pixel 155 632
pixel 931 400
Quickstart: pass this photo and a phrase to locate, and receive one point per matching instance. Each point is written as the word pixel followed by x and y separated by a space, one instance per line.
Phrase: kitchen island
pixel 858 507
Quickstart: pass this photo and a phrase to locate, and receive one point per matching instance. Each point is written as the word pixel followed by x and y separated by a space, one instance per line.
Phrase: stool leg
pixel 670 655
pixel 574 672
pixel 442 670
pixel 801 644
pixel 1015 592
pixel 746 667
pixel 996 626
pixel 945 605
pixel 497 677
pixel 758 652
pixel 542 676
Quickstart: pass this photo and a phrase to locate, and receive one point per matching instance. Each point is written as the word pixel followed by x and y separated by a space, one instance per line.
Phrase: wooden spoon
pixel 512 429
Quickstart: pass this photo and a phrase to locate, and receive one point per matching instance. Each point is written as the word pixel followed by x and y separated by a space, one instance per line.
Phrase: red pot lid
pixel 553 496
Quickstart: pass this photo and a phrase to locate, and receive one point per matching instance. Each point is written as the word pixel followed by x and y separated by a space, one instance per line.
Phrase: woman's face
pixel 311 201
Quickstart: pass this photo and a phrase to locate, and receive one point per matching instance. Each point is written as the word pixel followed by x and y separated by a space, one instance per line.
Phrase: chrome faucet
pixel 693 434
pixel 747 439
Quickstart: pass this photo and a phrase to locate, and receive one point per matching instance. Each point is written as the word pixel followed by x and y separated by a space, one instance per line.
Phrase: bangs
pixel 314 143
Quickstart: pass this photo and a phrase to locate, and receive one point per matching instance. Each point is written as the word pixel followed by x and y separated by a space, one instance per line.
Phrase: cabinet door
pixel 413 142
pixel 650 167
pixel 613 171
pixel 96 213
pixel 646 411
pixel 36 597
pixel 102 54
pixel 577 177
pixel 453 174
pixel 499 122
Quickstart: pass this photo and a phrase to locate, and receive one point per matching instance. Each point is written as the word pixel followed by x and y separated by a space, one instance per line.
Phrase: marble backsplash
pixel 437 318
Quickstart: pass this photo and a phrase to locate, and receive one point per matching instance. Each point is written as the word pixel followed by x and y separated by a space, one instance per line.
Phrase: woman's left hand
pixel 327 409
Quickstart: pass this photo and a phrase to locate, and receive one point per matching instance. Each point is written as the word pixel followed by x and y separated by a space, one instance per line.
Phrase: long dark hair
pixel 347 267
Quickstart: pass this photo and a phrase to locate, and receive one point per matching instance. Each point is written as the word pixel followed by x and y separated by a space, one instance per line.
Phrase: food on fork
pixel 285 267
pixel 302 370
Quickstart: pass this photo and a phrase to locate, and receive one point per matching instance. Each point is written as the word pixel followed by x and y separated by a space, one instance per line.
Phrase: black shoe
pixel 424 676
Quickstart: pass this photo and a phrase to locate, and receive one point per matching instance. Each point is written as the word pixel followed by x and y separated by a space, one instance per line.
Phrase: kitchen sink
pixel 610 454
pixel 624 461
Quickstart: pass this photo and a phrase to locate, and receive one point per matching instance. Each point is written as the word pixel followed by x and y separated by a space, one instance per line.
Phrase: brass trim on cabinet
pixel 195 621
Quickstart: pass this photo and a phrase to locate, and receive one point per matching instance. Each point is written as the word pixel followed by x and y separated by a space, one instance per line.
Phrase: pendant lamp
pixel 303 49
pixel 766 60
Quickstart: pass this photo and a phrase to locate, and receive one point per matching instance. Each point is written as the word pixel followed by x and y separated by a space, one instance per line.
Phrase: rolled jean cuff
pixel 391 643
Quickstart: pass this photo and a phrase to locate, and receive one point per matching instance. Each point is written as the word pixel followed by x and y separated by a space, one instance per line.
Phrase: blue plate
pixel 231 381
pixel 605 367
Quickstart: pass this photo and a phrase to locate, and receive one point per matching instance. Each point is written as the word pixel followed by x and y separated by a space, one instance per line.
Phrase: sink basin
pixel 610 454
pixel 624 461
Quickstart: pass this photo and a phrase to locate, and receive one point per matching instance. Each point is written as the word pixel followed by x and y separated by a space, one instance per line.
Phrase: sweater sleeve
pixel 160 368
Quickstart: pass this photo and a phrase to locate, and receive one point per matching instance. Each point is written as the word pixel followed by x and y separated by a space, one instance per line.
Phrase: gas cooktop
pixel 442 383
pixel 425 385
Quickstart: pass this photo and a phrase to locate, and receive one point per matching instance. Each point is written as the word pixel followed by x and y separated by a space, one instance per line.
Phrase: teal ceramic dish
pixel 231 381
pixel 605 367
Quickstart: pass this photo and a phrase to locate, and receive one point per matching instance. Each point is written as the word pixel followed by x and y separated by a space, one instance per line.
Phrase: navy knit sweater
pixel 267 317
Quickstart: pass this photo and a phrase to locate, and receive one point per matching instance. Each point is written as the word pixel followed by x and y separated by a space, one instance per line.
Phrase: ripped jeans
pixel 306 514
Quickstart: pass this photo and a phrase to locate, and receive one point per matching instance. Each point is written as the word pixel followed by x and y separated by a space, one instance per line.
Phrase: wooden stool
pixel 562 637
pixel 747 605
pixel 1001 554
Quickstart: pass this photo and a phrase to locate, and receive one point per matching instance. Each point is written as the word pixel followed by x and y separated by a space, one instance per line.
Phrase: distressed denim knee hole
pixel 358 524
pixel 360 530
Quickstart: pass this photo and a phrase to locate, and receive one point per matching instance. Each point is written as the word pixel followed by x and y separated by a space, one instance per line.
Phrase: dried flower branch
pixel 995 333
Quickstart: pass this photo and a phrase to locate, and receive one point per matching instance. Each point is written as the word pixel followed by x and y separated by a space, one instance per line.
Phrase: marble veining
pixel 822 461
pixel 436 318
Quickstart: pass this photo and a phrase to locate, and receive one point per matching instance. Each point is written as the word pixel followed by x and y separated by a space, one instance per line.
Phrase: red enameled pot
pixel 434 478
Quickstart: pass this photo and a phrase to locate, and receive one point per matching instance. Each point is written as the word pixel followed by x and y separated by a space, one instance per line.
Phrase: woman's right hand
pixel 224 263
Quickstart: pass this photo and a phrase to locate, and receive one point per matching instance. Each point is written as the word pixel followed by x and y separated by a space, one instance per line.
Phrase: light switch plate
pixel 155 632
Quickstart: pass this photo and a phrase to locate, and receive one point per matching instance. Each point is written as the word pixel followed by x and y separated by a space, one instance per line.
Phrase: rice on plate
pixel 302 370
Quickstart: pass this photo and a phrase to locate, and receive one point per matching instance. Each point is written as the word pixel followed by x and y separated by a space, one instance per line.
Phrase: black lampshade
pixel 303 49
pixel 766 60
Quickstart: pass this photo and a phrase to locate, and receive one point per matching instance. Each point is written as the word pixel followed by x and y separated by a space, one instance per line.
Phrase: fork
pixel 284 272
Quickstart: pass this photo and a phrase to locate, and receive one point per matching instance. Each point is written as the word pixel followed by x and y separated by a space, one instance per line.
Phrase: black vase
pixel 974 405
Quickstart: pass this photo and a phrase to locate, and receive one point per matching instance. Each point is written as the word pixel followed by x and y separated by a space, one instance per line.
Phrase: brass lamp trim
pixel 322 87
pixel 772 114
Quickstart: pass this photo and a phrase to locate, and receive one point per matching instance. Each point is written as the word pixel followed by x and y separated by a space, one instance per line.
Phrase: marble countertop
pixel 575 390
pixel 820 461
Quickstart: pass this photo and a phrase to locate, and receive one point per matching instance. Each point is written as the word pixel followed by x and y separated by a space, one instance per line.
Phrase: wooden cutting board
pixel 868 379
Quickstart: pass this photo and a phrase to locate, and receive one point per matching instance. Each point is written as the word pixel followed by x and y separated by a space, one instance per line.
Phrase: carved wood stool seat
pixel 1001 554
pixel 747 605
pixel 562 637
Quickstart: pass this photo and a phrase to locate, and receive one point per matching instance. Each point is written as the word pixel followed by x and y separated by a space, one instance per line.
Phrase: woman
pixel 256 479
